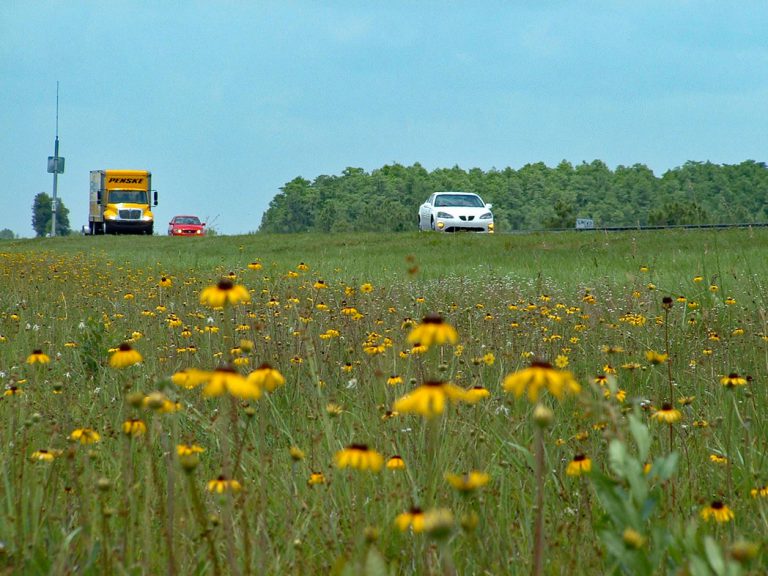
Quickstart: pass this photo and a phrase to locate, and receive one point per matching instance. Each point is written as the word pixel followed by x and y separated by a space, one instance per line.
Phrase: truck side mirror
pixel 98 197
pixel 155 191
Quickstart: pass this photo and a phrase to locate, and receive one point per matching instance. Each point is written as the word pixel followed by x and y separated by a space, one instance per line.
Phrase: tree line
pixel 533 197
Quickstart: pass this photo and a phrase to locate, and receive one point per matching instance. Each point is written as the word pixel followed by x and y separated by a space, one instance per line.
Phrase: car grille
pixel 467 218
pixel 129 214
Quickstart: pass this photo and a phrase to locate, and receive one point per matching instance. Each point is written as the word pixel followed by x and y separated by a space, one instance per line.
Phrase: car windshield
pixel 461 200
pixel 187 220
pixel 128 197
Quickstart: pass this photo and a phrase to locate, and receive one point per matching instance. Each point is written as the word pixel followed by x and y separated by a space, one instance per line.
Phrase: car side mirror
pixel 489 206
pixel 203 224
pixel 155 191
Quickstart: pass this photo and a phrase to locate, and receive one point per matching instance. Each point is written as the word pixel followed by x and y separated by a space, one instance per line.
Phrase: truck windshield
pixel 128 197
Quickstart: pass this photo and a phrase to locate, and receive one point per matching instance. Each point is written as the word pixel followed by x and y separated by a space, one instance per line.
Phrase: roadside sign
pixel 55 164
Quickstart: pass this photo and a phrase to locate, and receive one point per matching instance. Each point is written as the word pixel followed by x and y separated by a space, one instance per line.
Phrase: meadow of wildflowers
pixel 415 404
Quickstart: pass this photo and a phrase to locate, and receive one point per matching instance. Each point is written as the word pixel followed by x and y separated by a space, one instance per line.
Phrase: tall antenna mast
pixel 55 165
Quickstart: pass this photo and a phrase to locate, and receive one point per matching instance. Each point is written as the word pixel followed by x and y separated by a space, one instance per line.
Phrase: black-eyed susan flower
pixel 134 427
pixel 266 378
pixel 38 357
pixel 601 379
pixel 395 462
pixel 633 539
pixel 320 285
pixel 221 485
pixel 297 454
pixel 759 492
pixel 366 288
pixel 333 409
pixel 124 356
pixel 224 293
pixel 44 455
pixel 13 391
pixel 255 265
pixel 316 478
pixel 226 379
pixel 413 519
pixel 718 459
pixel 430 398
pixel 433 331
pixel 359 457
pixel 667 414
pixel 418 348
pixel 580 464
pixel 85 436
pixel 475 394
pixel 718 512
pixel 540 376
pixel 438 523
pixel 394 380
pixel 190 377
pixel 744 551
pixel 656 357
pixel 468 482
pixel 733 380
pixel 165 282
pixel 189 455
pixel 389 414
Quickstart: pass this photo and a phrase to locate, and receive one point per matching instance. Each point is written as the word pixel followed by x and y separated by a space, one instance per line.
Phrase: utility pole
pixel 55 165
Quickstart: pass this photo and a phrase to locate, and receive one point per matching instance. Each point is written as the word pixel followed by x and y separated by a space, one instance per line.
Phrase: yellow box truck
pixel 120 202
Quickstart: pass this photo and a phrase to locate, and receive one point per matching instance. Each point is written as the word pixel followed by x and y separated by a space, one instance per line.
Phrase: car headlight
pixel 444 215
pixel 486 216
pixel 110 216
pixel 146 218
pixel 199 232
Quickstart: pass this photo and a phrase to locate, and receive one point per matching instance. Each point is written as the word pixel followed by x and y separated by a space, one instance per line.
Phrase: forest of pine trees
pixel 533 197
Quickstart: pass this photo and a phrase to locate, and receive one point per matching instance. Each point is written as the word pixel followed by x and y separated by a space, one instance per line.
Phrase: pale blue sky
pixel 227 101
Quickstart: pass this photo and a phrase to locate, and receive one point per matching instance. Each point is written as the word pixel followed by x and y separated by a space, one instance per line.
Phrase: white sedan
pixel 454 212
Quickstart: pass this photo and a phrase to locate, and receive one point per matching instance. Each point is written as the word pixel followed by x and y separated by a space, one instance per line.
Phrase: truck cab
pixel 121 201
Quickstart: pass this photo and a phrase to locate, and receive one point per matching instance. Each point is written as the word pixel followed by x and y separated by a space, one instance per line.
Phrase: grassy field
pixel 574 403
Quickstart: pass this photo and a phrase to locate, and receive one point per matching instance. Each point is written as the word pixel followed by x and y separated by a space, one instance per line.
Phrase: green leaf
pixel 666 466
pixel 714 556
pixel 641 435
pixel 375 565
pixel 617 456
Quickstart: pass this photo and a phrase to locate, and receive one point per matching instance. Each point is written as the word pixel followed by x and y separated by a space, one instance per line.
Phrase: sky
pixel 227 101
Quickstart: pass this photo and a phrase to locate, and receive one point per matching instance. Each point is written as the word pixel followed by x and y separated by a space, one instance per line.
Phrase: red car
pixel 186 226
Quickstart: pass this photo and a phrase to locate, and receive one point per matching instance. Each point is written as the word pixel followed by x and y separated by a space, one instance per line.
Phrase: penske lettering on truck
pixel 126 180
